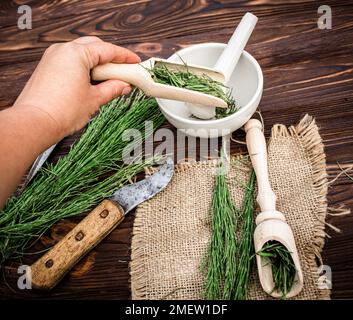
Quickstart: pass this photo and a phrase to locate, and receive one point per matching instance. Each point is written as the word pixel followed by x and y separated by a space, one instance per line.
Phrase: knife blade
pixel 52 267
pixel 37 164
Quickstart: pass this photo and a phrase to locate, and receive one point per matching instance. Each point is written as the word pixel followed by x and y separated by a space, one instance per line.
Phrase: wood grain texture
pixel 306 70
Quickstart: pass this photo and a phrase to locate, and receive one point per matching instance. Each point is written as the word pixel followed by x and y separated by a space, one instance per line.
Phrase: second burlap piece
pixel 172 230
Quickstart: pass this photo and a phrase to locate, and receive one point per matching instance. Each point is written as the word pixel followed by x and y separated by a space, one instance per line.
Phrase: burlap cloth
pixel 172 230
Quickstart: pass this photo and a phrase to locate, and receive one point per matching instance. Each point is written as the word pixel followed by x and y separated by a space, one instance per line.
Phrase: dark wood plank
pixel 306 70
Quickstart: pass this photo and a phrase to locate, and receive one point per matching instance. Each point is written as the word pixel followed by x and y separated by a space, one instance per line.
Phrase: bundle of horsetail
pixel 191 81
pixel 221 257
pixel 75 184
pixel 246 245
pixel 229 260
pixel 283 268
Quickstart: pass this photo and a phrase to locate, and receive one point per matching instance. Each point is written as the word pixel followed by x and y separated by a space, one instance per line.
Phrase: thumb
pixel 110 89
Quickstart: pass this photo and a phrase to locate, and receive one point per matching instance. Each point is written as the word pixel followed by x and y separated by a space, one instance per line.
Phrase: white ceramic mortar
pixel 246 82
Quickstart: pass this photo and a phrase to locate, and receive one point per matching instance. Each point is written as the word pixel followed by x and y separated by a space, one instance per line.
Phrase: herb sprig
pixel 231 251
pixel 221 258
pixel 246 245
pixel 283 268
pixel 204 83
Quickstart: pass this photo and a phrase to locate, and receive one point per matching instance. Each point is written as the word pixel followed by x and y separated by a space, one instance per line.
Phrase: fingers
pixel 100 52
pixel 110 89
pixel 87 39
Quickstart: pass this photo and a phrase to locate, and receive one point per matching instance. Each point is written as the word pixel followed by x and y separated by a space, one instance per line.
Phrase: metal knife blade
pixel 132 195
pixel 37 164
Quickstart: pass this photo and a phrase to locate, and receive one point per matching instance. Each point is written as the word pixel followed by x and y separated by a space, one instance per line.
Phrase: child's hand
pixel 60 86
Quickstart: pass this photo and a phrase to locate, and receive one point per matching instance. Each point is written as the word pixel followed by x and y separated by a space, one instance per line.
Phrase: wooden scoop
pixel 270 223
pixel 139 76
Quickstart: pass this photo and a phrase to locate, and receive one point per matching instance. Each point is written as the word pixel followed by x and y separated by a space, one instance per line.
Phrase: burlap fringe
pixel 308 134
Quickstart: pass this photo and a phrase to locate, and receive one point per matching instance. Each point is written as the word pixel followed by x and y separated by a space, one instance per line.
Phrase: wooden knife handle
pixel 52 267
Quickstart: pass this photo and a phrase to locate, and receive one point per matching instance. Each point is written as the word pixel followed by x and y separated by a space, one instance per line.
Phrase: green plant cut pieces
pixel 283 268
pixel 76 183
pixel 203 83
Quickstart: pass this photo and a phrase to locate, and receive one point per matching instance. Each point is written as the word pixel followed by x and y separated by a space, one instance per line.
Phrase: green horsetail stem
pixel 246 246
pixel 283 268
pixel 191 81
pixel 228 261
pixel 221 258
pixel 75 184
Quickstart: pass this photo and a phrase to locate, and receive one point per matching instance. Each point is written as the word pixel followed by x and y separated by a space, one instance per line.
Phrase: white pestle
pixel 228 60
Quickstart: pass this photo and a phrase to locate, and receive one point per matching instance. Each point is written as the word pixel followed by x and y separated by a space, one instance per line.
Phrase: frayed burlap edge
pixel 308 133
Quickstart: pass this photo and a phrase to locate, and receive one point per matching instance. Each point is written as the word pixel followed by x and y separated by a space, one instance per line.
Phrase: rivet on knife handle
pixel 52 267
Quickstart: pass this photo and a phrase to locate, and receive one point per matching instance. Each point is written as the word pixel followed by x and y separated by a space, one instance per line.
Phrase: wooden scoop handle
pixel 256 144
pixel 138 76
pixel 52 267
pixel 132 73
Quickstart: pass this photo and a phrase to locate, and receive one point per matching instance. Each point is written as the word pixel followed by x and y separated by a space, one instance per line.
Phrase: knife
pixel 52 267
pixel 37 164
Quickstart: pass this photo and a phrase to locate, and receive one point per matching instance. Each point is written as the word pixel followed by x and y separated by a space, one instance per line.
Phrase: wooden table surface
pixel 306 70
